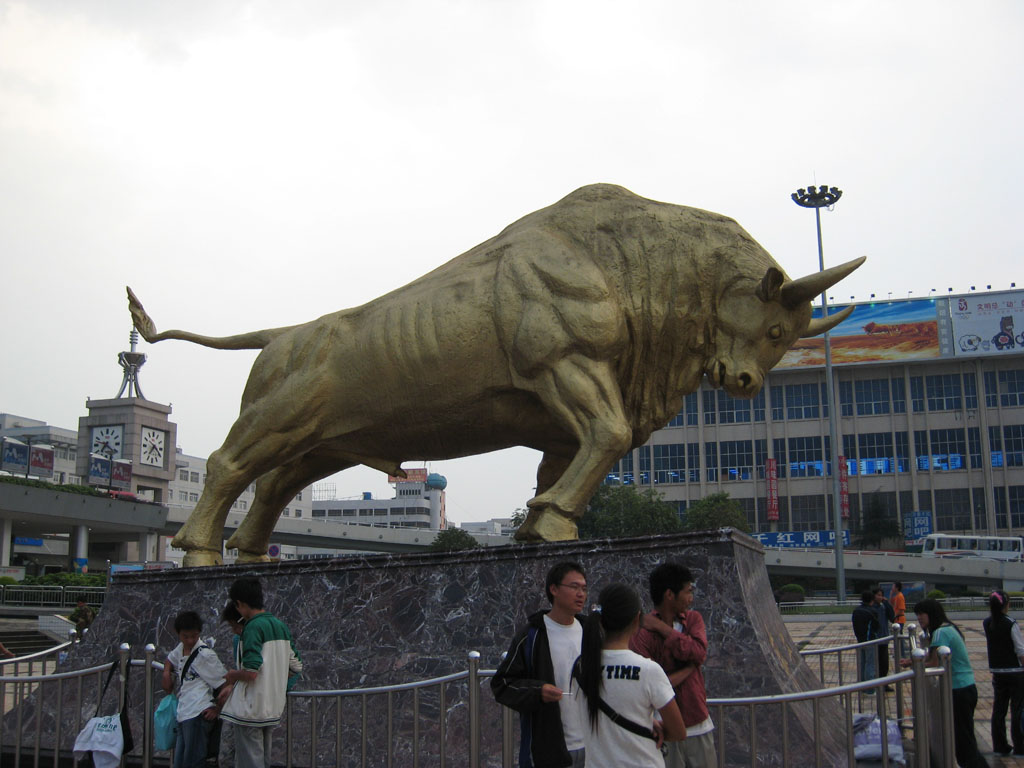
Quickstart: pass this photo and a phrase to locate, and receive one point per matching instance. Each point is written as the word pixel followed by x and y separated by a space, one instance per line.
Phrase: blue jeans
pixel 868 662
pixel 190 749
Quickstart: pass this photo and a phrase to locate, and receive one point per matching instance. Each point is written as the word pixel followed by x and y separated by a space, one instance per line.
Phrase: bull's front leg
pixel 583 397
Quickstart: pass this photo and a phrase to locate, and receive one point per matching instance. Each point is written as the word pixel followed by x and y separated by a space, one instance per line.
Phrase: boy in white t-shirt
pixel 536 670
pixel 199 674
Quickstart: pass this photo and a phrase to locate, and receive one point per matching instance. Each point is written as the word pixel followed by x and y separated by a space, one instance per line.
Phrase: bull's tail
pixel 145 325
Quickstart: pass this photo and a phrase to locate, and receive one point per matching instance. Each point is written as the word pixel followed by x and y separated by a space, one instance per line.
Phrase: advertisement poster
pixel 15 458
pixel 916 525
pixel 40 461
pixel 990 324
pixel 122 479
pixel 879 332
pixel 99 470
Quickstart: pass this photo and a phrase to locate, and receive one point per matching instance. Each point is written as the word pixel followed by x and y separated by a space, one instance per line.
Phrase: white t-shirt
pixel 636 688
pixel 564 641
pixel 204 674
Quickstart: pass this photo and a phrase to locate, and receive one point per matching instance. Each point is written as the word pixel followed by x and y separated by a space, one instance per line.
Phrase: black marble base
pixel 379 620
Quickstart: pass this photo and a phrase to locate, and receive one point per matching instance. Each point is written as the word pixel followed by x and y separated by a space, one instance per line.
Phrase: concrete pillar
pixel 6 540
pixel 78 549
pixel 147 546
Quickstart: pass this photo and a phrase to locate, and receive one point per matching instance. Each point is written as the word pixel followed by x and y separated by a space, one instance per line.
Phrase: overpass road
pixel 34 511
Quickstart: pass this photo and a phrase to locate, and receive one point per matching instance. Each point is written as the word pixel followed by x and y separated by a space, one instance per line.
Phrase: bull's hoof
pixel 251 557
pixel 195 558
pixel 545 524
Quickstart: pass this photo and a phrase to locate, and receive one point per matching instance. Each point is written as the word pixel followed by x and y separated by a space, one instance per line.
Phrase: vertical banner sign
pixel 122 479
pixel 15 458
pixel 844 489
pixel 772 476
pixel 99 469
pixel 40 461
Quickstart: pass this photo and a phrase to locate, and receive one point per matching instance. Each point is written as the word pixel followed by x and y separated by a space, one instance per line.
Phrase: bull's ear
pixel 771 284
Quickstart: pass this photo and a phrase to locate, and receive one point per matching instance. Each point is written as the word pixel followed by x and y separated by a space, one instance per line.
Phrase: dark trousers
pixel 883 660
pixel 1008 691
pixel 965 700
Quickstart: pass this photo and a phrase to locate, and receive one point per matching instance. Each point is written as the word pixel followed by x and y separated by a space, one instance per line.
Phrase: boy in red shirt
pixel 674 636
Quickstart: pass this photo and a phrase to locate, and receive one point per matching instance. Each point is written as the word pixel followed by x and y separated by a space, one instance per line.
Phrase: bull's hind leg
pixel 583 396
pixel 273 491
pixel 268 433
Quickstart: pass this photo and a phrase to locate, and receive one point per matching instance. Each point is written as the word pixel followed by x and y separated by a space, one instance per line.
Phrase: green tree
pixel 452 539
pixel 519 517
pixel 620 510
pixel 876 525
pixel 716 511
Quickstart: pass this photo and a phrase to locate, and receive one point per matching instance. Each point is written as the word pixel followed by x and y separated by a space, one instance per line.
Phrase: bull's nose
pixel 745 380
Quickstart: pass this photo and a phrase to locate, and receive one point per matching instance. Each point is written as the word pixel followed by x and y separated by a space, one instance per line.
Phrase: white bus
pixel 968 545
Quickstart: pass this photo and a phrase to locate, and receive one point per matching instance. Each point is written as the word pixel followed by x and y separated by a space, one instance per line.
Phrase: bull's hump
pixel 604 194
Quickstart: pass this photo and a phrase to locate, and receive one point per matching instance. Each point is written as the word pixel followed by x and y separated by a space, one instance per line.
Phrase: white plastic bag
pixel 102 737
pixel 867 739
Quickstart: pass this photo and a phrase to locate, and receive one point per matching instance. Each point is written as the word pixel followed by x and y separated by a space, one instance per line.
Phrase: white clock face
pixel 106 441
pixel 152 447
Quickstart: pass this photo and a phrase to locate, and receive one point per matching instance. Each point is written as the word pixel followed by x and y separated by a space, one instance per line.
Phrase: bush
pixel 8 580
pixel 452 540
pixel 793 588
pixel 936 594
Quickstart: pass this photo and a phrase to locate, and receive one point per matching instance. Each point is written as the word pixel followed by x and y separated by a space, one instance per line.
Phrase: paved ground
pixel 829 631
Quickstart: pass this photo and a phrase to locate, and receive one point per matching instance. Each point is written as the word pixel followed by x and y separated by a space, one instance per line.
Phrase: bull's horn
pixel 819 325
pixel 796 292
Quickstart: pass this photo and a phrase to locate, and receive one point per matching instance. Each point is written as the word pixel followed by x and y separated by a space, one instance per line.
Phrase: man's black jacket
pixel 517 684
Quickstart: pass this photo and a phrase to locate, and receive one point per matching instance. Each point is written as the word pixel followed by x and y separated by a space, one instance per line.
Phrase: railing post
pixel 147 709
pixel 897 659
pixel 946 687
pixel 507 737
pixel 919 703
pixel 474 709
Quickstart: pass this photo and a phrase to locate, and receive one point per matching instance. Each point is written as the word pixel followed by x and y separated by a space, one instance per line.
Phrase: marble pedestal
pixel 377 620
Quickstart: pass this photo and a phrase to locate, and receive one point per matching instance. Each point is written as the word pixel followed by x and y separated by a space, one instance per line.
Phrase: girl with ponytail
pixel 621 691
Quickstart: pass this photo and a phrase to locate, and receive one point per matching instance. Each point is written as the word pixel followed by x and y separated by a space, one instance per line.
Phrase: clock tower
pixel 131 428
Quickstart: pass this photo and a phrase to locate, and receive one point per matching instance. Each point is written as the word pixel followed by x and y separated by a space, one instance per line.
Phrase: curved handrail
pixel 391 688
pixel 57 675
pixel 37 655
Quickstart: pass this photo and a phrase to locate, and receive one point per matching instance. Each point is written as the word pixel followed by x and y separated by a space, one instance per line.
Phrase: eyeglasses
pixel 578 588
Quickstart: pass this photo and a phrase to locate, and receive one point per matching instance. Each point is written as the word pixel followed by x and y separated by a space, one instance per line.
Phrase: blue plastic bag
pixel 165 723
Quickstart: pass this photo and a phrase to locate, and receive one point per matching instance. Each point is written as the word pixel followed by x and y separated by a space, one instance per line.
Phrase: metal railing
pixel 49 596
pixel 396 724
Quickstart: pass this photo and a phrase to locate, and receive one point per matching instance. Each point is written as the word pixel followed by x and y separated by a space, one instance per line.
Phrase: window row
pixel 864 397
pixel 873 453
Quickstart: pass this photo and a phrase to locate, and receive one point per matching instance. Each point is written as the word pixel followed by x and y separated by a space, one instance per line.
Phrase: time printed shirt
pixel 636 688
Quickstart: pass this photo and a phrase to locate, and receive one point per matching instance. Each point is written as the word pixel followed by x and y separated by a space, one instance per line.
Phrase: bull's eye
pixel 775 332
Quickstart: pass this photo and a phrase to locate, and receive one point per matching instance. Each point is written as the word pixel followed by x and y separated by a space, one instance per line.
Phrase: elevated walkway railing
pixel 49 596
pixel 413 723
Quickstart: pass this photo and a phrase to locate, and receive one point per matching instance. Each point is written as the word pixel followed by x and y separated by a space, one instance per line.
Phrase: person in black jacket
pixel 537 669
pixel 886 616
pixel 865 627
pixel 1006 662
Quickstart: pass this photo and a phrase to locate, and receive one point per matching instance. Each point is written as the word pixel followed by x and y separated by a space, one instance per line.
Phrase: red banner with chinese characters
pixel 844 489
pixel 772 476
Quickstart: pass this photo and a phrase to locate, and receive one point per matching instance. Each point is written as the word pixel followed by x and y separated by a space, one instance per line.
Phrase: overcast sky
pixel 255 164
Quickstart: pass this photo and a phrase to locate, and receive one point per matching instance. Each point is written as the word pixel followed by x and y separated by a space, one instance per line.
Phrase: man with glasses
pixel 674 635
pixel 536 671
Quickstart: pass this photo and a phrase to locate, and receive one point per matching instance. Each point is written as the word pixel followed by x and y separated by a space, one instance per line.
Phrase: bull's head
pixel 756 326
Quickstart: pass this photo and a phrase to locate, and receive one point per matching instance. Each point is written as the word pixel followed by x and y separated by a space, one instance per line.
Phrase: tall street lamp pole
pixel 818 198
